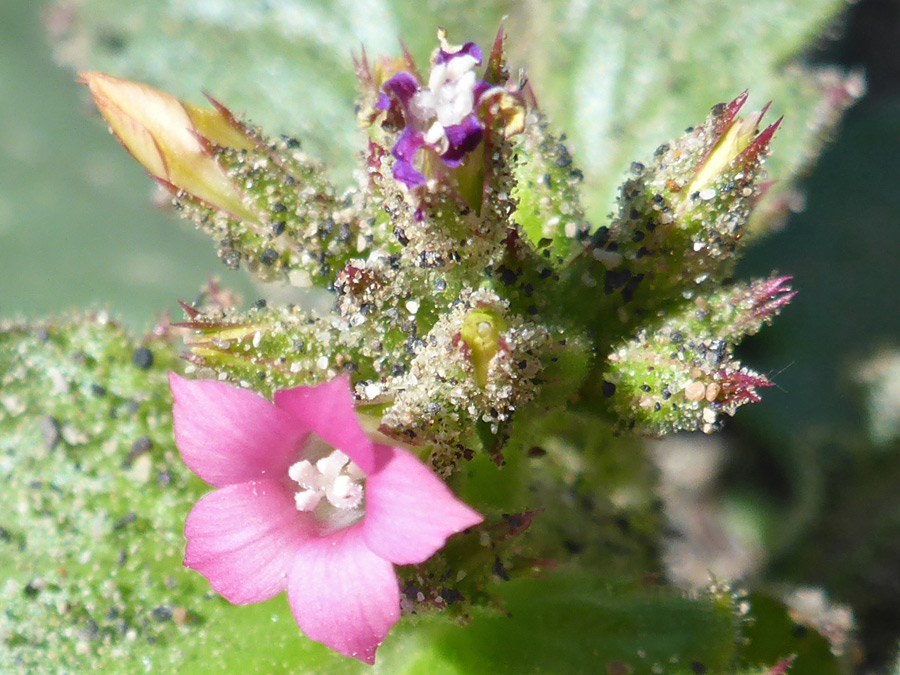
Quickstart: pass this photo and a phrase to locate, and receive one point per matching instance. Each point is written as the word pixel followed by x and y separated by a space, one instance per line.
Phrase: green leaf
pixel 568 624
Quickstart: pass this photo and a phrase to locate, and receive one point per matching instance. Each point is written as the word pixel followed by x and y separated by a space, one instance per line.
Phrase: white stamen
pixel 307 500
pixel 435 135
pixel 330 466
pixel 332 487
pixel 354 472
pixel 459 66
pixel 344 493
pixel 305 474
pixel 447 101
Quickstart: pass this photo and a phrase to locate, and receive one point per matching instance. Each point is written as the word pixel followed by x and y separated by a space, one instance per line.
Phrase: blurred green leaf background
pixel 76 225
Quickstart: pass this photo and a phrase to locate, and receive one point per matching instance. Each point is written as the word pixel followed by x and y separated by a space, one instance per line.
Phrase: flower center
pixel 330 486
pixel 448 99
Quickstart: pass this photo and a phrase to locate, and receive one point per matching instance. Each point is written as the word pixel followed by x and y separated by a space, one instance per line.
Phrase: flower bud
pixel 683 217
pixel 665 381
pixel 481 332
pixel 682 375
pixel 171 139
pixel 741 310
pixel 266 203
pixel 478 365
pixel 268 347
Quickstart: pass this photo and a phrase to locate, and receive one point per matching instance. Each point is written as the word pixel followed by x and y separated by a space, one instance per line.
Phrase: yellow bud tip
pixel 481 331
pixel 169 138
pixel 733 142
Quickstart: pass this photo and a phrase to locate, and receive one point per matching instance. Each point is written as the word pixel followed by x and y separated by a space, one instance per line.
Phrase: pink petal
pixel 410 513
pixel 343 595
pixel 229 435
pixel 243 539
pixel 328 411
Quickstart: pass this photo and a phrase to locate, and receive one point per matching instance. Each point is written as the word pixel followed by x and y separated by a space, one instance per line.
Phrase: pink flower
pixel 307 503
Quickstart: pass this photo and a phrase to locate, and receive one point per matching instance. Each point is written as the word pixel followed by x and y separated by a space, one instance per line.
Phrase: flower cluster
pixel 444 117
pixel 478 315
pixel 307 503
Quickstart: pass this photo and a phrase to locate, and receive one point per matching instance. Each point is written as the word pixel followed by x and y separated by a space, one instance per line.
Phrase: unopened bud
pixel 683 217
pixel 481 331
pixel 171 139
pixel 272 348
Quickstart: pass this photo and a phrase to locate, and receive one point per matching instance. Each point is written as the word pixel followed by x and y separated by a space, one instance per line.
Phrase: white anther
pixel 307 500
pixel 333 478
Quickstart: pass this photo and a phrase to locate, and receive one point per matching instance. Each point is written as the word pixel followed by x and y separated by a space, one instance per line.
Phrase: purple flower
pixel 307 503
pixel 443 116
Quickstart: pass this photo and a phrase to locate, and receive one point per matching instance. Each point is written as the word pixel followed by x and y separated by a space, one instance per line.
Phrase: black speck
pixel 622 523
pixel 608 389
pixel 600 237
pixel 125 521
pixel 450 596
pixel 499 570
pixel 161 613
pixel 572 546
pixel 631 287
pixel 141 446
pixel 268 257
pixel 142 358
pixel 507 276
pixel 401 236
pixel 615 279
pixel 799 631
